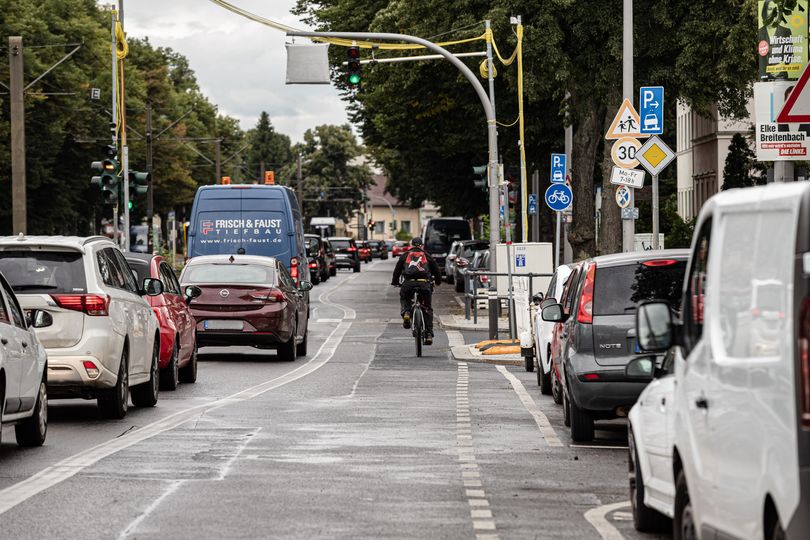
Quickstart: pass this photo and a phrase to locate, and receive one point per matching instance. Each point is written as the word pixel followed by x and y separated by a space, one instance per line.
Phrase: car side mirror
pixel 37 318
pixel 640 369
pixel 152 287
pixel 191 292
pixel 553 313
pixel 654 328
pixel 305 286
pixel 537 299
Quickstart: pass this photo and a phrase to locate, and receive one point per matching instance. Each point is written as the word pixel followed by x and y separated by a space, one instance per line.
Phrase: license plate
pixel 223 325
pixel 342 256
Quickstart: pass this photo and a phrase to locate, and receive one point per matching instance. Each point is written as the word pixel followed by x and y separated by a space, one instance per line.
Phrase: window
pixel 568 291
pixel 141 269
pixel 110 271
pixel 618 289
pixel 695 293
pixel 379 227
pixel 13 307
pixel 170 284
pixel 285 277
pixel 406 226
pixel 3 313
pixel 220 274
pixel 127 279
pixel 44 272
pixel 552 286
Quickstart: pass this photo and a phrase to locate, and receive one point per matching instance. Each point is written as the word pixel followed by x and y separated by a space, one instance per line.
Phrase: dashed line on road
pixel 546 429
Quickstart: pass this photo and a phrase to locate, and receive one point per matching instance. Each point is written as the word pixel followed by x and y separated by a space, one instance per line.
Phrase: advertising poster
pixel 782 38
pixel 777 142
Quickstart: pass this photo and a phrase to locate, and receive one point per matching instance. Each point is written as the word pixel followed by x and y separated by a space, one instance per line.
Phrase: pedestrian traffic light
pixel 481 176
pixel 353 75
pixel 138 182
pixel 107 180
pixel 270 177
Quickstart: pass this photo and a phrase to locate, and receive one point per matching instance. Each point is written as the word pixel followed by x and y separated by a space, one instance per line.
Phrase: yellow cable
pixel 338 41
pixel 121 47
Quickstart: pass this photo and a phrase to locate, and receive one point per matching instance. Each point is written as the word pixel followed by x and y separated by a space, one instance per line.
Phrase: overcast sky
pixel 240 65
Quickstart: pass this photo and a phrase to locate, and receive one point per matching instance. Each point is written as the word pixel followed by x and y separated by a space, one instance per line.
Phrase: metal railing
pixel 472 294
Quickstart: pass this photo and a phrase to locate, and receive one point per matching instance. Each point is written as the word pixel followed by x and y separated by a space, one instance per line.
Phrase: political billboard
pixel 782 38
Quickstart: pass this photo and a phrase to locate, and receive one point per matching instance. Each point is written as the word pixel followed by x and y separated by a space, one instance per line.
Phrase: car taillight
pixel 95 305
pixel 460 262
pixel 484 279
pixel 90 368
pixel 804 361
pixel 351 249
pixel 585 312
pixel 660 262
pixel 313 265
pixel 267 295
pixel 294 268
pixel 591 376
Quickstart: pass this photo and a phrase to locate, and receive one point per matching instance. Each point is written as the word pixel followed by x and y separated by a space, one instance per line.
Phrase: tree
pixel 741 168
pixel 268 150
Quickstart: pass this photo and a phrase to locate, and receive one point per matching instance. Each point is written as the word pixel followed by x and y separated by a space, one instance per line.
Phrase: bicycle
pixel 558 196
pixel 417 323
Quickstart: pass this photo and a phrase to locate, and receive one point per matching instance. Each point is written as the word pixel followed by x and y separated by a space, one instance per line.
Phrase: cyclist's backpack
pixel 416 265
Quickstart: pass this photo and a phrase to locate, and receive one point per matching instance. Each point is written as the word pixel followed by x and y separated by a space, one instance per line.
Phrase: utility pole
pixel 569 145
pixel 114 123
pixel 217 161
pixel 124 148
pixel 19 212
pixel 628 225
pixel 150 191
pixel 536 217
pixel 494 197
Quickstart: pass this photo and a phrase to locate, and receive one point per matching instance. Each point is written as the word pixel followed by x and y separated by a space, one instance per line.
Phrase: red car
pixel 178 342
pixel 364 251
pixel 249 300
pixel 399 248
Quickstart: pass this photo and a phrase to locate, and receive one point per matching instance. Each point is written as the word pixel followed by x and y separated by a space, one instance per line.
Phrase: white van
pixel 722 444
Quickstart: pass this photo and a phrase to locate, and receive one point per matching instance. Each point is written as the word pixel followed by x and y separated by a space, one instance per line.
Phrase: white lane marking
pixel 454 338
pixel 325 299
pixel 546 430
pixel 357 382
pixel 483 525
pixel 597 518
pixel 475 493
pixel 476 513
pixel 149 509
pixel 597 446
pixel 228 464
pixel 68 467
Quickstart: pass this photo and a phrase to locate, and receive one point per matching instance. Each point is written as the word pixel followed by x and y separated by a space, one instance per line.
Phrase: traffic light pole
pixel 628 225
pixel 150 199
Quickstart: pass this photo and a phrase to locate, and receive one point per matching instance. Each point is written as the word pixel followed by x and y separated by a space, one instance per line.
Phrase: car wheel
pixel 777 532
pixel 566 410
pixel 188 373
pixel 286 351
pixel 31 431
pixel 301 348
pixel 556 387
pixel 645 519
pixel 170 376
pixel 146 394
pixel 528 363
pixel 684 523
pixel 543 380
pixel 581 423
pixel 113 402
pixel 357 267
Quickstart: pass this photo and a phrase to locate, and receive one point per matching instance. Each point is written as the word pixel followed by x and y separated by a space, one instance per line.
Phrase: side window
pixel 105 268
pixel 167 277
pixel 127 279
pixel 696 286
pixel 13 307
pixel 284 276
pixel 568 294
pixel 4 318
pixel 552 286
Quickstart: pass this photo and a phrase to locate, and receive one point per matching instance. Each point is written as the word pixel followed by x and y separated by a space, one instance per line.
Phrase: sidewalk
pixel 458 322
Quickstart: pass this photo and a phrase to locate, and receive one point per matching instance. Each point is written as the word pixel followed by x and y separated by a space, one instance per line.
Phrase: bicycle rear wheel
pixel 418 330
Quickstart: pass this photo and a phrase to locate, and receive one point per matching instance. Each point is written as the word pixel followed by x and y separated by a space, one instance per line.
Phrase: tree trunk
pixel 589 118
pixel 610 229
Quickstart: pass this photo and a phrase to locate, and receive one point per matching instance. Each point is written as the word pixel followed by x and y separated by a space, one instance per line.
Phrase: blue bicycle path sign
pixel 559 197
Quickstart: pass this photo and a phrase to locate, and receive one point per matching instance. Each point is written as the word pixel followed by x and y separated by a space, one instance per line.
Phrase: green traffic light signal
pixel 354 79
pixel 353 75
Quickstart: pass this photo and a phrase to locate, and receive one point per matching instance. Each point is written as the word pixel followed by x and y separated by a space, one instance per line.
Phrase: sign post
pixel 559 198
pixel 654 156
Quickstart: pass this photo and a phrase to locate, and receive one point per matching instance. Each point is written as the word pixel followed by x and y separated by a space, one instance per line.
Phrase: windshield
pixel 141 269
pixel 441 233
pixel 44 271
pixel 618 289
pixel 340 244
pixel 228 273
pixel 313 247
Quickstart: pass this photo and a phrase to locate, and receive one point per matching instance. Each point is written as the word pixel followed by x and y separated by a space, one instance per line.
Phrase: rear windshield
pixel 441 233
pixel 313 247
pixel 141 269
pixel 619 289
pixel 340 244
pixel 228 273
pixel 375 243
pixel 469 250
pixel 44 271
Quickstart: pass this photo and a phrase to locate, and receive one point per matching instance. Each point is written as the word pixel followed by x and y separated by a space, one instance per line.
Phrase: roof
pixel 75 242
pixel 634 256
pixel 377 191
pixel 237 259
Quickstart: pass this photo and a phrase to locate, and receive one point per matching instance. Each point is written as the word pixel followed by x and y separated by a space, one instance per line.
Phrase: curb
pixel 463 353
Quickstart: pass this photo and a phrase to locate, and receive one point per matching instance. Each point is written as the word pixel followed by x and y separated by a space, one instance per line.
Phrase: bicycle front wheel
pixel 418 330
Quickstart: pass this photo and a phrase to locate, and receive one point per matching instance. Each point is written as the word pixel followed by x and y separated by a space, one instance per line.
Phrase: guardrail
pixel 472 295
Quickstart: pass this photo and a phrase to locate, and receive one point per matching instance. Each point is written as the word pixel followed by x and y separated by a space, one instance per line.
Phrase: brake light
pixel 95 305
pixel 660 262
pixel 804 362
pixel 585 312
pixel 591 376
pixel 267 295
pixel 294 268
pixel 351 249
pixel 91 369
pixel 313 265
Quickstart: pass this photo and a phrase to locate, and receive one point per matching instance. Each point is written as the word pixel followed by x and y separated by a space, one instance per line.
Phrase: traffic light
pixel 371 224
pixel 481 176
pixel 138 182
pixel 353 75
pixel 269 178
pixel 107 180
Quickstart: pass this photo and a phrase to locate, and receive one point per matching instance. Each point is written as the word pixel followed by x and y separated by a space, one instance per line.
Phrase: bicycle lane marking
pixel 597 518
pixel 69 467
pixel 546 429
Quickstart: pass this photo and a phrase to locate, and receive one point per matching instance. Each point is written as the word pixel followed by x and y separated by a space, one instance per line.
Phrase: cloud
pixel 240 64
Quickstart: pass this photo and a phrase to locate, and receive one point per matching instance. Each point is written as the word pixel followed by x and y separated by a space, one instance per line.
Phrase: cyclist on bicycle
pixel 419 271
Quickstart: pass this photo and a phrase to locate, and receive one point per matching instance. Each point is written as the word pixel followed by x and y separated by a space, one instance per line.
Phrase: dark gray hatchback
pixel 598 337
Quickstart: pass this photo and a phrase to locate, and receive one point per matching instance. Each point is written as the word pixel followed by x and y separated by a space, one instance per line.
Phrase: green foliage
pixel 741 168
pixel 404 236
pixel 267 148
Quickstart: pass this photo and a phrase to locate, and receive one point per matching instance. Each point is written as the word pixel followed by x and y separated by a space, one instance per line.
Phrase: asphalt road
pixel 360 439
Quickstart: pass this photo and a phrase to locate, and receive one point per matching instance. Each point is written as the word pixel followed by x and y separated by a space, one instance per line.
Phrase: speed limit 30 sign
pixel 624 152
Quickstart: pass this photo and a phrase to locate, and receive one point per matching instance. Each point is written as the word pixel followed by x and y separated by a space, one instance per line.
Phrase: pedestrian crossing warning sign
pixel 626 123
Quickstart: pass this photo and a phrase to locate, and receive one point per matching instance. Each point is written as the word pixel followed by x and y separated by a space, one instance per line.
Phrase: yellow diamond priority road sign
pixel 654 155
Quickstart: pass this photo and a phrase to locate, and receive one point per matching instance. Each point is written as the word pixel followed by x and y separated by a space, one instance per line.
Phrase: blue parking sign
pixel 651 109
pixel 532 204
pixel 558 168
pixel 559 197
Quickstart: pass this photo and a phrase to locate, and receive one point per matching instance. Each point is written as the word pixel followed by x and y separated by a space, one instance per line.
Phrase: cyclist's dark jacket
pixel 432 272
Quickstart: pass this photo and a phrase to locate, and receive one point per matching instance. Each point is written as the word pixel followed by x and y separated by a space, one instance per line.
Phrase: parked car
pixel 104 342
pixel 438 234
pixel 329 256
pixel 389 244
pixel 465 251
pixel 566 300
pixel 178 342
pixel 346 255
pixel 23 362
pixel 318 249
pixel 543 331
pixel 379 250
pixel 598 334
pixel 242 219
pixel 248 300
pixel 399 248
pixel 720 439
pixel 364 251
pixel 480 262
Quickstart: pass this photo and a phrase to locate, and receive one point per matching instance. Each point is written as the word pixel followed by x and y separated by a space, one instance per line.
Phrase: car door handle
pixel 702 403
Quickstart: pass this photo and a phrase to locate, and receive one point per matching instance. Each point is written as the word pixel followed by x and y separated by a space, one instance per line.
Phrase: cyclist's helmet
pixel 416 242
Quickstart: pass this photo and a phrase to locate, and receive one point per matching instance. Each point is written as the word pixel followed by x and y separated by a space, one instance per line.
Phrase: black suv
pixel 321 262
pixel 379 250
pixel 598 335
pixel 346 254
